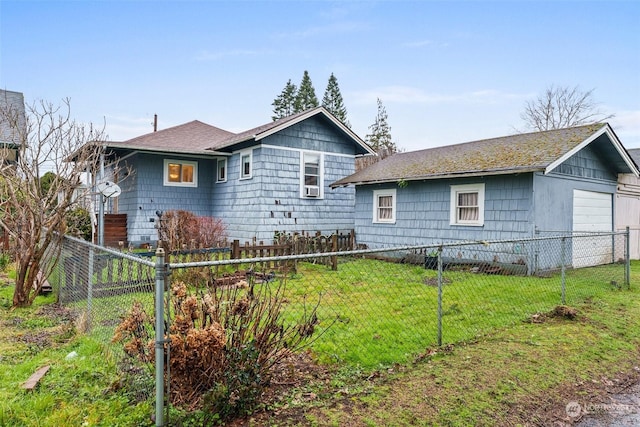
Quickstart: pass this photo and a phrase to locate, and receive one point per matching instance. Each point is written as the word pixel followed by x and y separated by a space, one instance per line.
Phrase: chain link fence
pixel 380 306
pixel 100 285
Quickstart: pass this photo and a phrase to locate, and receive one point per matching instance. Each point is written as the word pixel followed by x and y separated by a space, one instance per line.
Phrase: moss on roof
pixel 520 152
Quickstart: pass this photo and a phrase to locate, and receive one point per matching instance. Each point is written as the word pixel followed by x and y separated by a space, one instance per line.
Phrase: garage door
pixel 592 212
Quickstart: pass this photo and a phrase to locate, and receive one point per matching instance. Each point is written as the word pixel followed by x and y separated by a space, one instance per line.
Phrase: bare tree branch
pixel 35 215
pixel 562 107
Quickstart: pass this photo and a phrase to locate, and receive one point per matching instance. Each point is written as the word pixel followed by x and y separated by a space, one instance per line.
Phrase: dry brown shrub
pixel 134 333
pixel 224 344
pixel 180 229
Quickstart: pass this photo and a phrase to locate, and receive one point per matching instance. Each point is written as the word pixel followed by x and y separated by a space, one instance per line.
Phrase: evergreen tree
pixel 333 102
pixel 379 137
pixel 284 104
pixel 306 97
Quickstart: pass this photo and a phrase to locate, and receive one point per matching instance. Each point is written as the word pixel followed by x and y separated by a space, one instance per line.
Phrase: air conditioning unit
pixel 311 191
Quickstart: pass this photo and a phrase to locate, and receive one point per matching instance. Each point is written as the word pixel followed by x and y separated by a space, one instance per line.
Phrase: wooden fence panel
pixel 298 244
pixel 116 276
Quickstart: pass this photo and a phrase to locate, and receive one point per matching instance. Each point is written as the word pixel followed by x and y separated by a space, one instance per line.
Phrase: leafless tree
pixel 44 138
pixel 562 107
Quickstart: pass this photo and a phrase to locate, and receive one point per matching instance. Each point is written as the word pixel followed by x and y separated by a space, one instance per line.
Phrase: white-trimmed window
pixel 467 205
pixel 222 170
pixel 384 206
pixel 246 164
pixel 311 176
pixel 180 173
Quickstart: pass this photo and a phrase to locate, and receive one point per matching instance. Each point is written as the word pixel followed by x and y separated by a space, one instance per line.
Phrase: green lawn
pixel 372 314
pixel 377 313
pixel 80 390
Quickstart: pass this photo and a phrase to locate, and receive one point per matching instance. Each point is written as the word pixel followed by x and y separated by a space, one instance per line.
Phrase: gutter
pixel 441 176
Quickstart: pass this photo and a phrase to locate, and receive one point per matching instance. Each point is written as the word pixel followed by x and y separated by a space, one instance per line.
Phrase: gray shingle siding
pixel 586 164
pixel 554 192
pixel 423 212
pixel 251 208
pixel 515 205
pixel 314 135
pixel 271 201
pixel 144 193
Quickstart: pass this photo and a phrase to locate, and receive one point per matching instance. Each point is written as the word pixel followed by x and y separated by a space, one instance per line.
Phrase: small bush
pixel 224 344
pixel 179 229
pixel 79 223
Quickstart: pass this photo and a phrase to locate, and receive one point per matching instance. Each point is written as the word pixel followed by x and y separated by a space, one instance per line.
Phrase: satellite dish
pixel 109 189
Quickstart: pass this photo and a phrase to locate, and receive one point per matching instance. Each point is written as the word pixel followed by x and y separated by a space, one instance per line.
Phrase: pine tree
pixel 306 97
pixel 284 104
pixel 333 102
pixel 380 137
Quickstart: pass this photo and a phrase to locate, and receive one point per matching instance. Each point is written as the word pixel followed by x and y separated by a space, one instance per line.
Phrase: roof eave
pixel 623 151
pixel 510 171
pixel 605 129
pixel 203 152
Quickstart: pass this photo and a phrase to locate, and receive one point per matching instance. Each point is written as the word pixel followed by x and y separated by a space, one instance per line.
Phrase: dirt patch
pixel 559 312
pixel 312 398
pixel 565 312
pixel 36 341
pixel 62 329
pixel 296 383
pixel 57 312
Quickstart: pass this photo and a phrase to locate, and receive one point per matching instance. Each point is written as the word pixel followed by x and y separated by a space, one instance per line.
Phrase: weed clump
pixel 224 344
pixel 559 312
pixel 565 312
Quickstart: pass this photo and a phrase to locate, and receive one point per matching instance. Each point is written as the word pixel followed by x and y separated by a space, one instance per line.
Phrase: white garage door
pixel 592 212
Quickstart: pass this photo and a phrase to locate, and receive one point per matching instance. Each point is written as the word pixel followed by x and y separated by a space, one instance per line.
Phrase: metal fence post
pixel 159 311
pixel 440 296
pixel 562 260
pixel 627 260
pixel 89 289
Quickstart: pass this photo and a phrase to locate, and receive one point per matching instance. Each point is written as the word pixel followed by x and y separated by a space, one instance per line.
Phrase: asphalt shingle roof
pixel 252 133
pixel 200 138
pixel 523 152
pixel 635 155
pixel 191 137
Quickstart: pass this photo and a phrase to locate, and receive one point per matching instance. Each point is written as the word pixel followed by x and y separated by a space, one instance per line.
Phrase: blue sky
pixel 447 72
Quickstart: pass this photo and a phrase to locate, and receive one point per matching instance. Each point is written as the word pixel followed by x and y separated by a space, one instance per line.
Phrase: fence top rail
pixel 149 254
pixel 557 233
pixel 117 253
pixel 437 247
pixel 252 247
pixel 139 259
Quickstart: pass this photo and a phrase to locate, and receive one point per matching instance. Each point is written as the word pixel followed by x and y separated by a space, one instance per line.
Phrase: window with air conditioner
pixel 311 191
pixel 311 177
